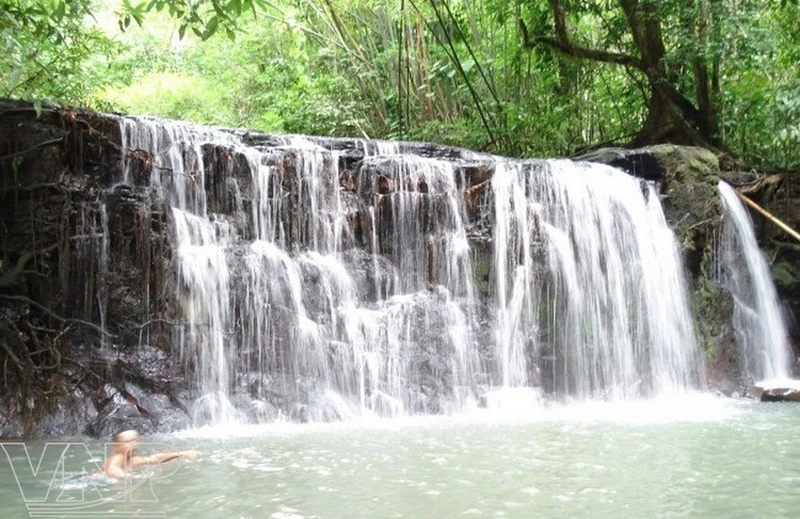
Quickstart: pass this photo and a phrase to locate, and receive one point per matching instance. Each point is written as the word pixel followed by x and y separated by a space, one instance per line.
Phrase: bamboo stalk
pixel 791 232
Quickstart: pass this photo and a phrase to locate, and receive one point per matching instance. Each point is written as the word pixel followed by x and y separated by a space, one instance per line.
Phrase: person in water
pixel 125 457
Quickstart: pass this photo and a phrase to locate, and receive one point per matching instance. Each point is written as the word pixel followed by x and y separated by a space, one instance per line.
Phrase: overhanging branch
pixel 584 53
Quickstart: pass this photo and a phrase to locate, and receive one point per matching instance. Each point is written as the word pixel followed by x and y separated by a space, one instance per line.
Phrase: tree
pixel 683 88
pixel 53 49
pixel 43 48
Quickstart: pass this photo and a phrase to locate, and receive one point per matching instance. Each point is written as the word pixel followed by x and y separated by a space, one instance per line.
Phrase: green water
pixel 695 457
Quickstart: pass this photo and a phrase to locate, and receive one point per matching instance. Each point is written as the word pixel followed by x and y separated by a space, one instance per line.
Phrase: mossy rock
pixel 688 178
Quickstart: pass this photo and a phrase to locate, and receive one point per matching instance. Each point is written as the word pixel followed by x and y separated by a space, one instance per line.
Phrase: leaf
pixel 61 10
pixel 218 9
pixel 234 6
pixel 248 4
pixel 211 27
pixel 230 33
pixel 181 31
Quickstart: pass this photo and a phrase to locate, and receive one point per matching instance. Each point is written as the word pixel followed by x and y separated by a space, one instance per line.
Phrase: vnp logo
pixel 58 479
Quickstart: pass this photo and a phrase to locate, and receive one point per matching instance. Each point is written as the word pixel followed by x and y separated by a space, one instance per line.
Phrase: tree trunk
pixel 666 121
pixel 671 117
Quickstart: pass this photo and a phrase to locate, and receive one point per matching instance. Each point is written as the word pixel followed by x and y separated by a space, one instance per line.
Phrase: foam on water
pixel 690 407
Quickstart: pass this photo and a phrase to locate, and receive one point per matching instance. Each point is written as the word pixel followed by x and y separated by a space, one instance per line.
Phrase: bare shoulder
pixel 113 461
pixel 114 466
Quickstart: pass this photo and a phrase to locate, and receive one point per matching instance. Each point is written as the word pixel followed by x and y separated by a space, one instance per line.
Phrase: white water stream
pixel 324 293
pixel 758 321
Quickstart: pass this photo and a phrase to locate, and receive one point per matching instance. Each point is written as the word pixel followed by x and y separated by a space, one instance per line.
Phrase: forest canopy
pixel 521 78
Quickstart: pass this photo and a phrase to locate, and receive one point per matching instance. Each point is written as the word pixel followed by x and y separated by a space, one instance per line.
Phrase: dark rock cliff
pixel 87 277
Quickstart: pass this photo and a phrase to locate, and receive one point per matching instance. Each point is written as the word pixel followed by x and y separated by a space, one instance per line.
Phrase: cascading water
pixel 201 238
pixel 91 243
pixel 326 284
pixel 589 282
pixel 757 319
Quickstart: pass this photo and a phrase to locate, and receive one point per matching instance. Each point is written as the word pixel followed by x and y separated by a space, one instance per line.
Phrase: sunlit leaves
pixel 202 17
pixel 45 48
pixel 382 68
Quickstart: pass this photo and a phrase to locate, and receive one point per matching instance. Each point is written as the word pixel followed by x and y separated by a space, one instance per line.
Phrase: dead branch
pixel 749 188
pixel 42 144
pixel 471 193
pixel 769 216
pixel 55 316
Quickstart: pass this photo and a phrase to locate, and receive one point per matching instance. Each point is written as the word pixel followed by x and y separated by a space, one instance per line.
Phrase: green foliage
pixel 761 98
pixel 49 51
pixel 785 274
pixel 707 300
pixel 173 96
pixel 448 71
pixel 202 17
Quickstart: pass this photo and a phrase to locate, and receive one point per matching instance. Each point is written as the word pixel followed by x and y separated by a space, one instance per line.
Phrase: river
pixel 693 456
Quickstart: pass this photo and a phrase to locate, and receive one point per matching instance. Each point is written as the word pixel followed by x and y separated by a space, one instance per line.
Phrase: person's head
pixel 126 442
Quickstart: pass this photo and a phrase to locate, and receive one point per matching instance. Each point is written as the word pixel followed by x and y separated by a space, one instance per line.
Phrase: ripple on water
pixel 584 459
pixel 268 468
pixel 286 513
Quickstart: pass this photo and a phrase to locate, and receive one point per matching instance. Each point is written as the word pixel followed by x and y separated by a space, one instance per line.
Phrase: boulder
pixel 780 394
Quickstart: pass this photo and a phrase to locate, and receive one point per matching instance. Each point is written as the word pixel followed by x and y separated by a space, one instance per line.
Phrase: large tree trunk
pixel 667 122
pixel 671 116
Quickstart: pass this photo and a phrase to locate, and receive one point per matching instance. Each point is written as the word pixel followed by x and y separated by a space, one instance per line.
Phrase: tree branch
pixel 32 148
pixel 560 20
pixel 562 43
pixel 54 315
pixel 583 53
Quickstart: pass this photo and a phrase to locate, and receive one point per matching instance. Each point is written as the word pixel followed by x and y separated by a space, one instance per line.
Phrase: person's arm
pixel 164 457
pixel 114 467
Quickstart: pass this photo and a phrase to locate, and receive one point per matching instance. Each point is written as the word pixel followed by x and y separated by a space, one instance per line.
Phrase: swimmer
pixel 126 444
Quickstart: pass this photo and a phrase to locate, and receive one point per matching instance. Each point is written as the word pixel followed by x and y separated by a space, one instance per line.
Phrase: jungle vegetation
pixel 519 77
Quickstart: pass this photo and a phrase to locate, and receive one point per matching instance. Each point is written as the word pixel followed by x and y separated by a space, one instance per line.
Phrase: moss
pixel 706 305
pixel 692 204
pixel 687 164
pixel 785 274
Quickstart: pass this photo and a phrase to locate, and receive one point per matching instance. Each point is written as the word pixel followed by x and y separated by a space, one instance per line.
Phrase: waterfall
pixel 326 282
pixel 757 319
pixel 589 279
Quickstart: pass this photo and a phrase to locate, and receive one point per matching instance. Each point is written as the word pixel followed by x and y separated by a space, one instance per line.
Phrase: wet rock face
pixel 89 282
pixel 777 394
pixel 83 267
pixel 783 201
